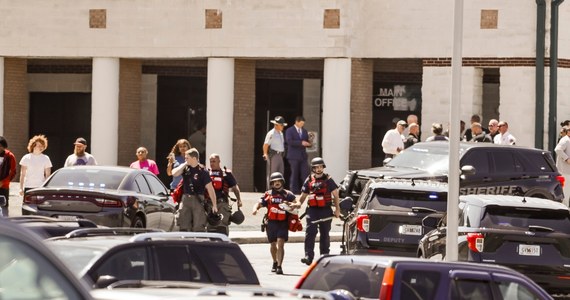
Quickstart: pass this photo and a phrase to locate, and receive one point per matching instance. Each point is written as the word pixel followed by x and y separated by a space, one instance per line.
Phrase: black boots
pixel 306 261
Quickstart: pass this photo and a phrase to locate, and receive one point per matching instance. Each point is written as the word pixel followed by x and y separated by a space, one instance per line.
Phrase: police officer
pixel 322 192
pixel 196 180
pixel 223 180
pixel 277 224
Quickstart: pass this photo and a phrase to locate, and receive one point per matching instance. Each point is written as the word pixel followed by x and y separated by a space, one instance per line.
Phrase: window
pixel 515 291
pixel 174 263
pixel 361 280
pixel 87 178
pixel 127 264
pixel 419 284
pixel 26 274
pixel 231 264
pixel 463 289
pixel 395 200
pixel 522 218
pixel 142 185
pixel 506 162
pixel 156 186
pixel 477 159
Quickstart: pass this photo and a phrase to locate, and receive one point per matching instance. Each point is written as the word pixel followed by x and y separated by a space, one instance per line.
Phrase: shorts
pixel 277 229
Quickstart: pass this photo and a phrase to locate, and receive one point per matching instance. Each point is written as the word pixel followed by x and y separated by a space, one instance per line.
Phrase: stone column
pixel 336 116
pixel 220 106
pixel 105 110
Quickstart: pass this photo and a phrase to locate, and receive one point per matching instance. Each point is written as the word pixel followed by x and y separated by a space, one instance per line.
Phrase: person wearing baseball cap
pixel 274 147
pixel 80 157
pixel 393 141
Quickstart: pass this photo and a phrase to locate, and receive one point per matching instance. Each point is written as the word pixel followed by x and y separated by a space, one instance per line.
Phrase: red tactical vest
pixel 273 211
pixel 319 195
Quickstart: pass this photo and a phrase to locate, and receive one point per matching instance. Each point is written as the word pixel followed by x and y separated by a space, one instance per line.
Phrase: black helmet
pixel 318 161
pixel 237 217
pixel 276 176
pixel 214 219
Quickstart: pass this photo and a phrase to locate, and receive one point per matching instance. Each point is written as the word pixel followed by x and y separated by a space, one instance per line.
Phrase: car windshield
pixel 387 199
pixel 423 157
pixel 361 279
pixel 86 178
pixel 77 259
pixel 522 218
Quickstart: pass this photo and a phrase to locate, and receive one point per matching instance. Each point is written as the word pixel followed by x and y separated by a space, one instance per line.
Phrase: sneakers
pixel 274 268
pixel 279 270
pixel 306 261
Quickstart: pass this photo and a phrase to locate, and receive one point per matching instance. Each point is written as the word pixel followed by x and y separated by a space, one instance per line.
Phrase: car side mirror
pixel 346 206
pixel 430 221
pixel 104 280
pixel 386 161
pixel 468 170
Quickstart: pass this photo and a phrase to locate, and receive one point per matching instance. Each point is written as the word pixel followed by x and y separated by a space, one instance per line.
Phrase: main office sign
pixel 397 97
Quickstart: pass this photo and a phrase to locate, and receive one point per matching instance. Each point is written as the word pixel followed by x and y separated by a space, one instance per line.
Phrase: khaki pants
pixel 192 215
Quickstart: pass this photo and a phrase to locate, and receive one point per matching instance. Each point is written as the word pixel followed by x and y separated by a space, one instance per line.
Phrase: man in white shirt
pixel 393 141
pixel 504 137
pixel 562 150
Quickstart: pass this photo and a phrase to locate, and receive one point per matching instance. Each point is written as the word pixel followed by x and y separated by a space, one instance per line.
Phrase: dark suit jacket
pixel 295 150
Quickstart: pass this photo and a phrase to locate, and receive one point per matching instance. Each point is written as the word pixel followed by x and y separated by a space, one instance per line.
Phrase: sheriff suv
pixel 387 217
pixel 530 235
pixel 487 169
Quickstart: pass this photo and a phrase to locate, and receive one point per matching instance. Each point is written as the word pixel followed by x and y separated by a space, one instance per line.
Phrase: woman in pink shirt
pixel 143 162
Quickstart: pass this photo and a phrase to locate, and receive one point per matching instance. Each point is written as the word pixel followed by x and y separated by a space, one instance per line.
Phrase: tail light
pixel 33 199
pixel 387 284
pixel 305 275
pixel 475 242
pixel 363 223
pixel 561 179
pixel 109 202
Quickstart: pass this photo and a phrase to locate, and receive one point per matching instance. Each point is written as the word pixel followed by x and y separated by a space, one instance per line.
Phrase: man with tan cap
pixel 393 141
pixel 274 147
pixel 80 157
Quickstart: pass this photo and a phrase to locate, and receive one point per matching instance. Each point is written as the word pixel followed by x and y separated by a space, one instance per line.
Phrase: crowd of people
pixel 407 133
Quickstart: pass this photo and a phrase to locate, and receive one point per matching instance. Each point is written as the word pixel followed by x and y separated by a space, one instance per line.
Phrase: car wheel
pixel 137 222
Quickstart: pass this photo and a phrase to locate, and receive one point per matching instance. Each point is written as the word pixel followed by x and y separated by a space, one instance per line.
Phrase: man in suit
pixel 297 139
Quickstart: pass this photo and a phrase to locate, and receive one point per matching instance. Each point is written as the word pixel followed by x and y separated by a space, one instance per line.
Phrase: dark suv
pixel 530 235
pixel 387 218
pixel 104 256
pixel 499 170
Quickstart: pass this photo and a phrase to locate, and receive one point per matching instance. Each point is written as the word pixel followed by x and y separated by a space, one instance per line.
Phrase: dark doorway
pixel 181 107
pixel 273 97
pixel 61 117
pixel 391 102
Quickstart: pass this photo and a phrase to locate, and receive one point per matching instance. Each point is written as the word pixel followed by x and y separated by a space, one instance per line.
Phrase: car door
pixel 148 203
pixel 351 231
pixel 130 262
pixel 470 284
pixel 161 194
pixel 513 287
pixel 472 183
pixel 435 241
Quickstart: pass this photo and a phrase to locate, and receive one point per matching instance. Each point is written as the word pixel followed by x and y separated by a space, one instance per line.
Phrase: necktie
pixel 300 134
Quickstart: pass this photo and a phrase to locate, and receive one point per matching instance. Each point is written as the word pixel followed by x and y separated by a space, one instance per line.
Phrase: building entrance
pixel 61 117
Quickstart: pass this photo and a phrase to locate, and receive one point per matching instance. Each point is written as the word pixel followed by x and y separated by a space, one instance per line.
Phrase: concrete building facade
pixel 139 72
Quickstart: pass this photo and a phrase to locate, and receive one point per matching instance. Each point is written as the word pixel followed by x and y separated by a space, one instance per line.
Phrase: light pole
pixel 451 248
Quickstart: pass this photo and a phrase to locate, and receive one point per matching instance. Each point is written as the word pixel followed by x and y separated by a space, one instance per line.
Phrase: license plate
pixel 529 250
pixel 67 218
pixel 410 229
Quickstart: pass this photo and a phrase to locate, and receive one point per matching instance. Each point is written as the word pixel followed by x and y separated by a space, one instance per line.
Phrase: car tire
pixel 138 222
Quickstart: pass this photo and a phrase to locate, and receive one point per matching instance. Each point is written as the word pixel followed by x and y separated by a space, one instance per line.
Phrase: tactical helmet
pixel 237 217
pixel 318 161
pixel 276 176
pixel 214 219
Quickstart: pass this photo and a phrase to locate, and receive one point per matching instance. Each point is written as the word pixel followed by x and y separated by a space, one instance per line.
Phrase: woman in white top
pixel 35 166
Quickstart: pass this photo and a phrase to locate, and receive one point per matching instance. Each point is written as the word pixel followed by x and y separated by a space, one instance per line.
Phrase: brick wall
pixel 130 78
pixel 244 123
pixel 16 107
pixel 361 114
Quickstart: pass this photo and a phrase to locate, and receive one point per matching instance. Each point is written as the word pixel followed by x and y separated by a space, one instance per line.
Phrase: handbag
pixel 178 192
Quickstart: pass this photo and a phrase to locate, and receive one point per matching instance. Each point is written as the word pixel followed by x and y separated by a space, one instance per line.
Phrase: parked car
pixel 530 235
pixel 29 270
pixel 108 196
pixel 46 227
pixel 487 169
pixel 406 278
pixel 387 218
pixel 104 256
